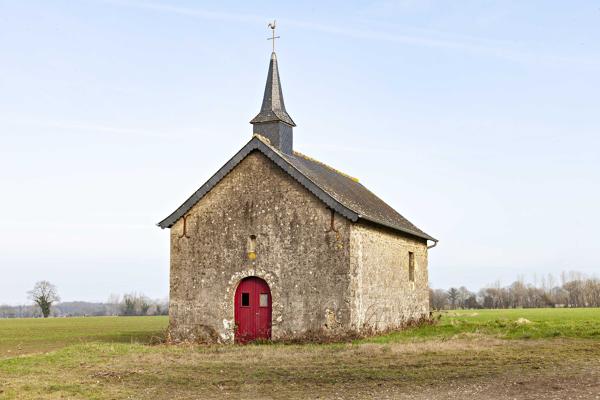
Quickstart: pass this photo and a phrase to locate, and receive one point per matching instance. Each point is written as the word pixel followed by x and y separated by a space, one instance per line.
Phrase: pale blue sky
pixel 477 120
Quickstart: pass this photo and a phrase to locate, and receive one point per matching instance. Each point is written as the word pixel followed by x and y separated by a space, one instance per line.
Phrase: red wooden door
pixel 252 310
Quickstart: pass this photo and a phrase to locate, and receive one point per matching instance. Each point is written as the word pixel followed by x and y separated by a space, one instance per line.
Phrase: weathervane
pixel 273 25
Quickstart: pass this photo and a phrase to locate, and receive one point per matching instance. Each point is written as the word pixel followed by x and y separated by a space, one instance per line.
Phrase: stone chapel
pixel 279 245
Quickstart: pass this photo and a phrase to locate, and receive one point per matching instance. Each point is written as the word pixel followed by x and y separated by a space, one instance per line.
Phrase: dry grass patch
pixel 470 358
pixel 120 371
pixel 350 370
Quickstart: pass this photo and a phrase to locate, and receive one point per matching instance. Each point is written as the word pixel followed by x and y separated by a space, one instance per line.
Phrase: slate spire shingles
pixel 273 106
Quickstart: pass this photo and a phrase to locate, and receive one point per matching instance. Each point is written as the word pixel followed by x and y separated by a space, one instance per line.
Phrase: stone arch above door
pixel 228 301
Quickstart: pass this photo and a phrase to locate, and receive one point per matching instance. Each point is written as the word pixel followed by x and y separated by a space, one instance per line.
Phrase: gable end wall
pixel 306 267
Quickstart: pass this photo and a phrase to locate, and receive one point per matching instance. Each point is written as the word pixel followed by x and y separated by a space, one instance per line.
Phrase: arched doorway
pixel 252 304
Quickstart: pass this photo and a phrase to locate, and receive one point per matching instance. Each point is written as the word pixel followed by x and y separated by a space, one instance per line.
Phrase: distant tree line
pixel 46 303
pixel 573 290
pixel 138 304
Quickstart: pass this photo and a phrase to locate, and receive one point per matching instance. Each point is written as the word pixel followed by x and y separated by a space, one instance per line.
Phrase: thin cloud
pixel 190 12
pixel 465 44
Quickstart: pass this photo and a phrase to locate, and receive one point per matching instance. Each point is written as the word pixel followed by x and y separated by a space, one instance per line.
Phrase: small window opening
pixel 411 266
pixel 252 247
pixel 245 299
pixel 264 300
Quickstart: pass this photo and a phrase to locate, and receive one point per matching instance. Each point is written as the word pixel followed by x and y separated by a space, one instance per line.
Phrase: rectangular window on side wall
pixel 411 266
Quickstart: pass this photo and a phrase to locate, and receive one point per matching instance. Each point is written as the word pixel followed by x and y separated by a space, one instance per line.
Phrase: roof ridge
pixel 291 164
pixel 297 153
pixel 263 139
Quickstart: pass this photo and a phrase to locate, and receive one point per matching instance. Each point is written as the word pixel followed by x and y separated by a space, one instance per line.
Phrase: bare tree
pixel 113 304
pixel 44 294
pixel 138 304
pixel 463 295
pixel 144 306
pixel 453 297
pixel 128 306
pixel 438 299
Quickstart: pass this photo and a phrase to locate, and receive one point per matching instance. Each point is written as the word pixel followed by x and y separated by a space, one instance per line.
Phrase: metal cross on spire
pixel 273 25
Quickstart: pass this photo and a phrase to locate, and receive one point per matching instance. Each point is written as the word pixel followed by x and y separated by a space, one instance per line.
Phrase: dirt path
pixel 581 384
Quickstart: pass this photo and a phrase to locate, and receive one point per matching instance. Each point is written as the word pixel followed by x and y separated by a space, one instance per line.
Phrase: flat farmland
pixel 37 335
pixel 488 354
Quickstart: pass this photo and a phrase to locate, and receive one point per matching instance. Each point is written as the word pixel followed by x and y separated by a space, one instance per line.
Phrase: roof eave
pixel 262 118
pixel 421 235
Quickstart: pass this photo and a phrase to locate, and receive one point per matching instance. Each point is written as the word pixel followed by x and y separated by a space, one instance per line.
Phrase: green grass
pixel 23 336
pixel 32 335
pixel 543 323
pixel 111 358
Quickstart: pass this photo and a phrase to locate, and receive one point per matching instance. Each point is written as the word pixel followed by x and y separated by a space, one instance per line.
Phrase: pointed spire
pixel 273 107
pixel 273 122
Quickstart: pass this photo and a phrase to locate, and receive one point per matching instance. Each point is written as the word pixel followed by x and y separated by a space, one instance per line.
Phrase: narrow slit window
pixel 264 300
pixel 245 299
pixel 411 266
pixel 251 247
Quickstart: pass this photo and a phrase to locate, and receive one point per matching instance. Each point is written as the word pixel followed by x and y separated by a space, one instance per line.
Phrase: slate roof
pixel 338 191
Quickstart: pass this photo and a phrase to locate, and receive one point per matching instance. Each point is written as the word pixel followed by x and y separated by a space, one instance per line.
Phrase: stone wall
pixel 306 267
pixel 382 295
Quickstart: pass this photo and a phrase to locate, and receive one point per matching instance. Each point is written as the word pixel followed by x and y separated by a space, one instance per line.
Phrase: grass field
pixel 29 335
pixel 545 323
pixel 477 354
